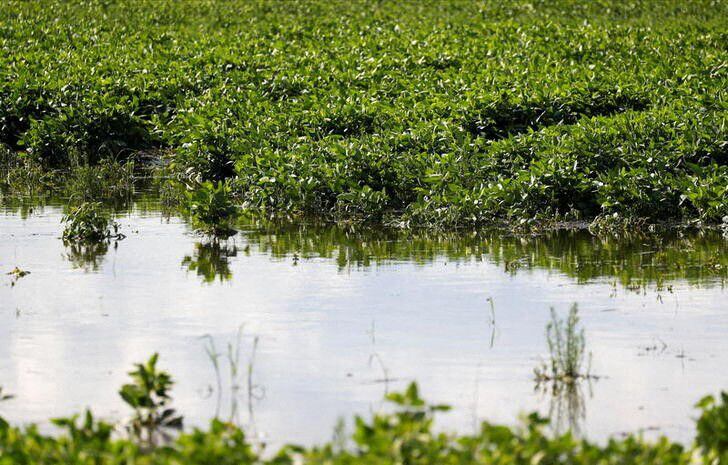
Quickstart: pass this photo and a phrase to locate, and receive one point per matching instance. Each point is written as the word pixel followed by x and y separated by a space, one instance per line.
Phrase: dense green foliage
pixel 211 208
pixel 405 436
pixel 437 113
pixel 88 222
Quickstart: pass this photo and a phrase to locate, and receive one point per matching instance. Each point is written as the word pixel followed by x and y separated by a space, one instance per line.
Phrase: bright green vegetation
pixel 433 113
pixel 405 436
pixel 713 423
pixel 149 395
pixel 89 222
pixel 211 208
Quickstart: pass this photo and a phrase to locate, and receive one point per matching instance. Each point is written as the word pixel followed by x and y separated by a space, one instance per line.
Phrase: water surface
pixel 342 316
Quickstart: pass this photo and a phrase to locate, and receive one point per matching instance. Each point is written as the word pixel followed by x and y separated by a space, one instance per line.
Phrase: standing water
pixel 287 327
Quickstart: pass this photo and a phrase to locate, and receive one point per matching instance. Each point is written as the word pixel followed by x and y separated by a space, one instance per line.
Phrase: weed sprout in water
pixel 567 350
pixel 560 377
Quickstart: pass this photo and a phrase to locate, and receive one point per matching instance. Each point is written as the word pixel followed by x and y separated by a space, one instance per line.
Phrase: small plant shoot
pixel 567 350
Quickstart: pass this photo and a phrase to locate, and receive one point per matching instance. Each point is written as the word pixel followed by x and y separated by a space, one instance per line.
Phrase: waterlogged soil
pixel 333 318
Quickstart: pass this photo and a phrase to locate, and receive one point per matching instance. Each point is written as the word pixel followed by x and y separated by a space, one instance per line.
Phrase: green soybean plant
pixel 89 222
pixel 212 208
pixel 149 395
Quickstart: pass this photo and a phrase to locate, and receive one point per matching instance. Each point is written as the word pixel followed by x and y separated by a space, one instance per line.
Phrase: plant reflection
pixel 567 409
pixel 87 255
pixel 211 260
pixel 634 261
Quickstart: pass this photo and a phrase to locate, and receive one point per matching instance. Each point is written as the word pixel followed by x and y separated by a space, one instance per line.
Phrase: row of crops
pixel 424 113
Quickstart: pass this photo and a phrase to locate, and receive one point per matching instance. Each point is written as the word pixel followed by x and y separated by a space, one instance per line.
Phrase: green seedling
pixel 567 350
pixel 149 395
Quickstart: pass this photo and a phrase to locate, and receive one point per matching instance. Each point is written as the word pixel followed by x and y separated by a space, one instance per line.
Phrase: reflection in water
pixel 211 260
pixel 567 409
pixel 634 260
pixel 239 376
pixel 434 323
pixel 87 256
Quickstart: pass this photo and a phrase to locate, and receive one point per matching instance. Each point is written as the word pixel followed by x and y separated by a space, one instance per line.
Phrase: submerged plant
pixel 254 391
pixel 567 349
pixel 16 274
pixel 89 222
pixel 149 395
pixel 212 209
pixel 4 395
pixel 29 178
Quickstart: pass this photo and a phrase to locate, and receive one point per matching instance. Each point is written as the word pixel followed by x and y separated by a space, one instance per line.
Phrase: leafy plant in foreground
pixel 712 425
pixel 406 435
pixel 149 395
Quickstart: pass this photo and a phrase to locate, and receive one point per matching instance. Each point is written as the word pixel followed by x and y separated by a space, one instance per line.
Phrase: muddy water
pixel 332 319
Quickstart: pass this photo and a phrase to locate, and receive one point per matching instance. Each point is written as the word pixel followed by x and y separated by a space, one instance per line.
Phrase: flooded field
pixel 313 323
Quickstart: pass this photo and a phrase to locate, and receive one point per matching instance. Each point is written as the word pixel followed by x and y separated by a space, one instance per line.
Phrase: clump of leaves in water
pixel 89 222
pixel 567 349
pixel 149 395
pixel 212 208
pixel 16 274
